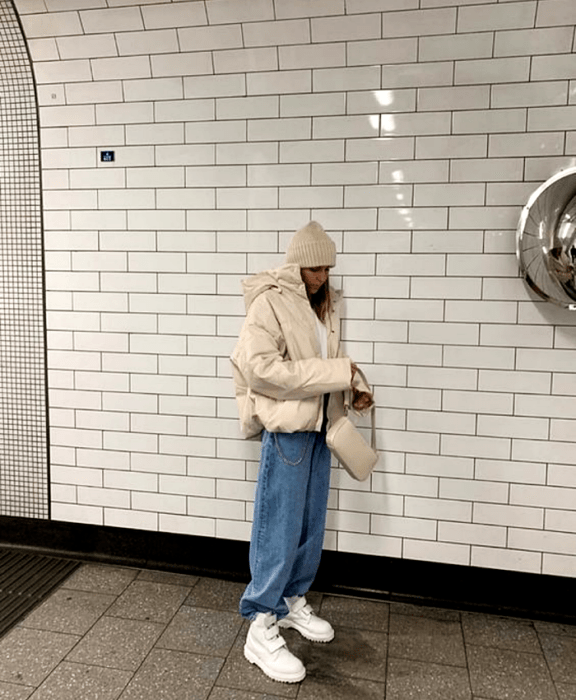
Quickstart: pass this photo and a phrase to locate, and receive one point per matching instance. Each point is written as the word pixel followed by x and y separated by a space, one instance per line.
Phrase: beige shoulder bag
pixel 349 446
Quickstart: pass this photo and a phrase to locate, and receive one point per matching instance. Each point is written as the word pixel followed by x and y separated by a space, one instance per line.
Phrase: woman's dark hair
pixel 320 301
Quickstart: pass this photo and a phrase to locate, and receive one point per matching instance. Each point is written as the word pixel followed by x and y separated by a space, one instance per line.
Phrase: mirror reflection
pixel 546 240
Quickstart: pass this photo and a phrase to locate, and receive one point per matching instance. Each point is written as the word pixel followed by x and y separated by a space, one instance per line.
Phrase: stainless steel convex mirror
pixel 546 240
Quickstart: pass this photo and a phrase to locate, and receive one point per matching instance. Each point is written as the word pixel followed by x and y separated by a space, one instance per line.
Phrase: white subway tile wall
pixel 415 132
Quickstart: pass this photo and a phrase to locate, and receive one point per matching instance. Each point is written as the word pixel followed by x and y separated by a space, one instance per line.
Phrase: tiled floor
pixel 110 632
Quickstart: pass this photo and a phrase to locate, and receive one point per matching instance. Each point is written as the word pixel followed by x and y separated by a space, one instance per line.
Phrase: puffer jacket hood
pixel 286 278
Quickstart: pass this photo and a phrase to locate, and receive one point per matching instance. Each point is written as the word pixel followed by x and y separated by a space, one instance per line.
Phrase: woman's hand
pixel 361 400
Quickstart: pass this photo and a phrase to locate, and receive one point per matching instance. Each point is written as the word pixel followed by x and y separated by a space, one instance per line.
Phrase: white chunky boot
pixel 303 619
pixel 267 649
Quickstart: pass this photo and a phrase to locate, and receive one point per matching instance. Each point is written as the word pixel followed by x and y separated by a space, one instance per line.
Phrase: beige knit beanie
pixel 311 247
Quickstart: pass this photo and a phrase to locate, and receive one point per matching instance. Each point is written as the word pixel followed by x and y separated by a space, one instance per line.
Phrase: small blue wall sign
pixel 107 156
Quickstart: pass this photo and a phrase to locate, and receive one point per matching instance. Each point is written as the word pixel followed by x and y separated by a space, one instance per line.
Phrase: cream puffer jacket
pixel 279 373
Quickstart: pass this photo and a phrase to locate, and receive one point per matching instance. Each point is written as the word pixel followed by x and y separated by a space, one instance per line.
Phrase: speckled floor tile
pixel 234 694
pixel 509 675
pixel 424 611
pixel 352 653
pixel 70 611
pixel 75 681
pixel 560 653
pixel 174 675
pixel 117 643
pixel 500 632
pixel 355 612
pixel 555 628
pixel 27 656
pixel 216 594
pixel 146 600
pixel 201 631
pixel 565 692
pixel 417 680
pixel 239 673
pixel 9 691
pixel 101 579
pixel 168 577
pixel 427 639
pixel 340 688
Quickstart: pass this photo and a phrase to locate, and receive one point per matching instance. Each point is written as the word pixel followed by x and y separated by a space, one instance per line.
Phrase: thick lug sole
pixel 305 633
pixel 282 678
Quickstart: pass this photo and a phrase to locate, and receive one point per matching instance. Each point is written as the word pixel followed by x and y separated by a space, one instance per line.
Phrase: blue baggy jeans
pixel 289 520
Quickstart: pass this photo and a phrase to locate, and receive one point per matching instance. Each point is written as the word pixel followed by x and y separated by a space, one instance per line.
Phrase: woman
pixel 290 377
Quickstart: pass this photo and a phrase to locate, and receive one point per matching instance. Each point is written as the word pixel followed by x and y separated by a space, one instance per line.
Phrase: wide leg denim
pixel 289 520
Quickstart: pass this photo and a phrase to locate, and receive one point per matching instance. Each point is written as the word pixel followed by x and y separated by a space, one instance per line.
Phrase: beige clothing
pixel 279 373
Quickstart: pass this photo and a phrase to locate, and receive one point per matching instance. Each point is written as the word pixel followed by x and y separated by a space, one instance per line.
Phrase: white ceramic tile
pixel 214 176
pixel 130 67
pixel 553 67
pixel 96 46
pixel 51 25
pixel 182 14
pixel 171 64
pixel 184 110
pixel 509 515
pixel 122 113
pixel 312 56
pixel 227 36
pixel 486 170
pixel 156 177
pixel 111 20
pixel 245 60
pixel 383 148
pixel 207 220
pixel 346 28
pixel 287 129
pixel 530 94
pixel 227 11
pixel 310 105
pixel 334 79
pixel 486 535
pixel 452 47
pixel 308 8
pixel 400 172
pixel 93 93
pixel 428 218
pixel 419 22
pixel 276 33
pixel 153 89
pixel 43 49
pixel 474 146
pixel 63 71
pixel 540 41
pixel 279 83
pixel 147 42
pixel 557 13
pixel 377 195
pixel 381 51
pixel 516 15
pixel 417 75
pixel 535 143
pixel 345 127
pixel 310 197
pixel 494 70
pixel 453 98
pixel 380 101
pixel 246 107
pixel 272 175
pixel 507 559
